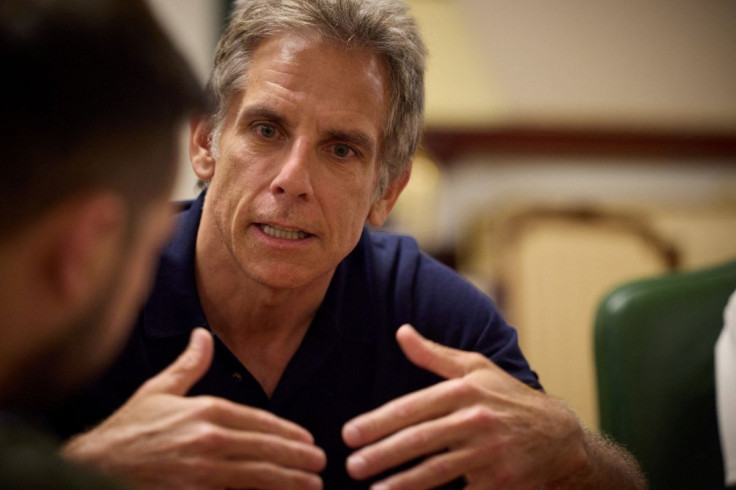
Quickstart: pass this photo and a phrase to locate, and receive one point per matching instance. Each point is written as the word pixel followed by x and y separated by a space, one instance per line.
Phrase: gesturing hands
pixel 481 424
pixel 161 439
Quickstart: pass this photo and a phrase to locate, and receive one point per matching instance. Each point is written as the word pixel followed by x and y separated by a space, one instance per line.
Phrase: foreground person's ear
pixel 85 237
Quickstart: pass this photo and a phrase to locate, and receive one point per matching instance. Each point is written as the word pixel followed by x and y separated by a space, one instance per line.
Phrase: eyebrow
pixel 358 138
pixel 262 112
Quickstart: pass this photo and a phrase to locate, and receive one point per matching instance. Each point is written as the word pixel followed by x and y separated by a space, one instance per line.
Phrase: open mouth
pixel 284 233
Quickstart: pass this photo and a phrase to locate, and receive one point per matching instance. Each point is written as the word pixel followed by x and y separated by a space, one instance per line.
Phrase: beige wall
pixel 194 26
pixel 654 63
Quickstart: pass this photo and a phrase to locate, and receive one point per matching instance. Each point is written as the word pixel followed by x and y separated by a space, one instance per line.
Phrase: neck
pixel 261 325
pixel 259 305
pixel 239 307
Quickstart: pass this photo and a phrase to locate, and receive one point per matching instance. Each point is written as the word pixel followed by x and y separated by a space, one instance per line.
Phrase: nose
pixel 293 179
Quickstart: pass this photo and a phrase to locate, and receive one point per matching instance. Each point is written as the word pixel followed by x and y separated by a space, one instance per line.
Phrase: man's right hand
pixel 161 439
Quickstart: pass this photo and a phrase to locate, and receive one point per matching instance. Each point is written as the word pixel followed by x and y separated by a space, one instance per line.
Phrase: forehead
pixel 317 77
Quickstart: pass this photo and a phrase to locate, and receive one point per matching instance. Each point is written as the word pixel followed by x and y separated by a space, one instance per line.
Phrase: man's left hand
pixel 480 424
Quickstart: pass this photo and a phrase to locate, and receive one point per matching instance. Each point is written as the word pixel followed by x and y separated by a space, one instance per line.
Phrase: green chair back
pixel 654 341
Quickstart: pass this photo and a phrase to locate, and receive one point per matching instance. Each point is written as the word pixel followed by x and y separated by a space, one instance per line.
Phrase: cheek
pixel 133 288
pixel 236 177
pixel 351 213
pixel 123 304
pixel 137 275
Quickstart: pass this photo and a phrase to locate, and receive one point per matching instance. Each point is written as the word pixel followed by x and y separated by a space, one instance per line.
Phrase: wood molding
pixel 448 144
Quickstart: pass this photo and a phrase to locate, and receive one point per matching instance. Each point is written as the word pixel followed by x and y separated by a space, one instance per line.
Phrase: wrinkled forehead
pixel 350 78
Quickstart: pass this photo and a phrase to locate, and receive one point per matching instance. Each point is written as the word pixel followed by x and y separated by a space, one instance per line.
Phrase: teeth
pixel 284 233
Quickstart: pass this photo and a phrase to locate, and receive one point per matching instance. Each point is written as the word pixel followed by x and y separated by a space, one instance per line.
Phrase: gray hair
pixel 381 26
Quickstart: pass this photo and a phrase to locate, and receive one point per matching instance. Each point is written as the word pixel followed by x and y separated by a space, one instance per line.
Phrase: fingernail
pixel 351 435
pixel 356 464
pixel 380 486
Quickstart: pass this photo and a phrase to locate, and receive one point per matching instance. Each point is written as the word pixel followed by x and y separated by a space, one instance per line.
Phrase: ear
pixel 85 245
pixel 383 206
pixel 200 151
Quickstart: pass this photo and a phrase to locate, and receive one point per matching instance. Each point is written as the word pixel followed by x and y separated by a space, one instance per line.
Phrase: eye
pixel 343 151
pixel 266 131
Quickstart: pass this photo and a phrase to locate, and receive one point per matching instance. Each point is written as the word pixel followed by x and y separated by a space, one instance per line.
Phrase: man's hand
pixel 480 424
pixel 161 439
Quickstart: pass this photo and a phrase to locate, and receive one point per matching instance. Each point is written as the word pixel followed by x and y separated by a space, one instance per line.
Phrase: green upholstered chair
pixel 654 341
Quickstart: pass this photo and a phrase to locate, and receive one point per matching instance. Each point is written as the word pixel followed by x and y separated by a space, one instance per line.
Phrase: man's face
pixel 297 163
pixel 83 348
pixel 132 282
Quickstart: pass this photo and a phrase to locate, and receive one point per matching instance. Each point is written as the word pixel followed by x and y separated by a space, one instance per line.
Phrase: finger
pixel 179 377
pixel 427 404
pixel 217 442
pixel 454 430
pixel 256 474
pixel 439 359
pixel 226 413
pixel 254 446
pixel 430 473
pixel 393 451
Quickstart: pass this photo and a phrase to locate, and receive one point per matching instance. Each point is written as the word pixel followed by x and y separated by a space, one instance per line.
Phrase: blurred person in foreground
pixel 93 97
pixel 311 379
pixel 725 369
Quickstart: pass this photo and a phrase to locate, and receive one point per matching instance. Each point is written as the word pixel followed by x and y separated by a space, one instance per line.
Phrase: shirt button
pixel 237 376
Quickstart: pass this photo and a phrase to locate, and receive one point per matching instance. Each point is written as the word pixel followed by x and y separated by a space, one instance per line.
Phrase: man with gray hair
pixel 332 355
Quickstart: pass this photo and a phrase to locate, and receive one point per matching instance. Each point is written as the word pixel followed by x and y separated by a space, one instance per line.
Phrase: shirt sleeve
pixel 456 313
pixel 445 307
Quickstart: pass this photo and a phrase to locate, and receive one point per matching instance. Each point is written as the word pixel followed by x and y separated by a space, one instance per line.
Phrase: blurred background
pixel 569 146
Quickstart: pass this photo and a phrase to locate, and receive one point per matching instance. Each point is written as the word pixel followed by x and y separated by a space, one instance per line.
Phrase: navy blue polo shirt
pixel 349 361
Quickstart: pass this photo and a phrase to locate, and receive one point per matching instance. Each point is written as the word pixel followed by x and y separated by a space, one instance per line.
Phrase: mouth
pixel 284 233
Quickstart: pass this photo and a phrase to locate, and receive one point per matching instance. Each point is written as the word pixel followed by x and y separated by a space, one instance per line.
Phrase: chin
pixel 282 282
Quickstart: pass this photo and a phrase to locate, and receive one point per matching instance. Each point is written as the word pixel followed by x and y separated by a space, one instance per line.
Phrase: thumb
pixel 439 359
pixel 187 369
